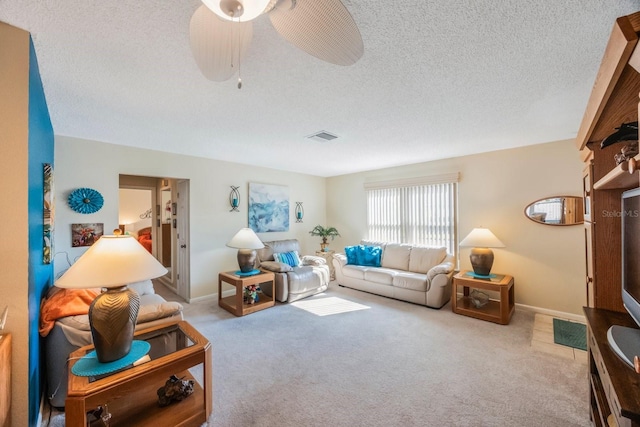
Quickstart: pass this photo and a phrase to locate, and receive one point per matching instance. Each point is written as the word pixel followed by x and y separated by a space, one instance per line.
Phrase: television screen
pixel 630 217
pixel 626 341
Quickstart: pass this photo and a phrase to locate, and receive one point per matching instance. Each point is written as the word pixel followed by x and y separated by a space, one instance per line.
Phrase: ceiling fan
pixel 221 31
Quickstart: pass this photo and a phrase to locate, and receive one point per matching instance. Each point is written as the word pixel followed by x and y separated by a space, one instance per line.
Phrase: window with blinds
pixel 419 211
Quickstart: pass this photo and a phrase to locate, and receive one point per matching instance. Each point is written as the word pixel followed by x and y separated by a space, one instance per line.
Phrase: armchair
pixel 293 283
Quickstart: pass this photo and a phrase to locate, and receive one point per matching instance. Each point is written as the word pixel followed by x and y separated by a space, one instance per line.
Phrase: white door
pixel 183 239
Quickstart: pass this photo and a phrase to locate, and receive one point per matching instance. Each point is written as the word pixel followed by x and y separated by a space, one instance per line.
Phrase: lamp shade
pixel 482 238
pixel 237 10
pixel 246 238
pixel 112 261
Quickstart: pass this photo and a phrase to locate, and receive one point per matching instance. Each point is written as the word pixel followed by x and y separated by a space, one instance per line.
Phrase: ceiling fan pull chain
pixel 239 49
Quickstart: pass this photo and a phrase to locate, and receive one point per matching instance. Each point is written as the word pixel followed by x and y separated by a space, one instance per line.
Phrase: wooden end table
pixel 131 394
pixel 234 304
pixel 498 311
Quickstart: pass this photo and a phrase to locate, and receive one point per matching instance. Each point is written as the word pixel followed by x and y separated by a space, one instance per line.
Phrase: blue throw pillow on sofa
pixel 291 258
pixel 351 253
pixel 369 255
pixel 363 255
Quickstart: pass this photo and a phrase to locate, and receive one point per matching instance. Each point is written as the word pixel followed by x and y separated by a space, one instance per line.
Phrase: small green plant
pixel 319 230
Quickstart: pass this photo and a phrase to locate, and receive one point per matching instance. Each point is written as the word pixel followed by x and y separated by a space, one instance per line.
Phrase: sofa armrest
pixel 341 260
pixel 445 268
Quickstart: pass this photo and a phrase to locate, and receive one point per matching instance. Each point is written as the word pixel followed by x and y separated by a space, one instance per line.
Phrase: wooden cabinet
pixel 614 395
pixel 5 380
pixel 613 101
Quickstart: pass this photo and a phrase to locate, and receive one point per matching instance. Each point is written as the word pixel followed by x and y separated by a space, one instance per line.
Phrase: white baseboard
pixel 553 313
pixel 225 294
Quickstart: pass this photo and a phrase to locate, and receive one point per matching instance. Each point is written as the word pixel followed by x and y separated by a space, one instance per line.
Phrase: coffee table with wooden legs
pixel 130 395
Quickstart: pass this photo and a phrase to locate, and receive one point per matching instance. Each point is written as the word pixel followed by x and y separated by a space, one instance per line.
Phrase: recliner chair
pixel 293 283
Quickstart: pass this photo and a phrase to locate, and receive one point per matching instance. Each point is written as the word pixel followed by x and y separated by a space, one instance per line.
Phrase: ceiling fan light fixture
pixel 239 10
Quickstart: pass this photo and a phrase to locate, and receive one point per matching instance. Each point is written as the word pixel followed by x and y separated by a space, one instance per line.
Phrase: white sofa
pixel 417 274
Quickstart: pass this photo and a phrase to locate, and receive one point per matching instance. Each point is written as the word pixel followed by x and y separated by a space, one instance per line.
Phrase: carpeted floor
pixel 386 363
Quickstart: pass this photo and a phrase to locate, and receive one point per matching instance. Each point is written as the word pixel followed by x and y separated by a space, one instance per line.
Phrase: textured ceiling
pixel 437 79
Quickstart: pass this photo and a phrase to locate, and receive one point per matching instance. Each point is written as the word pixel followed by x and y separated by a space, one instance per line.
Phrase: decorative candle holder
pixel 299 212
pixel 234 199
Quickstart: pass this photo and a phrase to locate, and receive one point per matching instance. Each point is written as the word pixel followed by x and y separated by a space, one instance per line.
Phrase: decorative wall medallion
pixel 85 200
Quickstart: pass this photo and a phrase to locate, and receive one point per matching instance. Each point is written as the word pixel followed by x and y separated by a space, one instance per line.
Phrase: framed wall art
pixel 48 214
pixel 268 207
pixel 86 234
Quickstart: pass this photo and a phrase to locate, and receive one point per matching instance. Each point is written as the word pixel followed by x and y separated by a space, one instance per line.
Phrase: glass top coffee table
pixel 130 394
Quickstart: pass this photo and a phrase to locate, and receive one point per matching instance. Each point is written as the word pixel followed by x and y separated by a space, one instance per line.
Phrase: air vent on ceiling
pixel 322 136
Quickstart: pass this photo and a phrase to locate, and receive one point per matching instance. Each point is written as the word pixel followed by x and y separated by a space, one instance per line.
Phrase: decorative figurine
pixel 175 389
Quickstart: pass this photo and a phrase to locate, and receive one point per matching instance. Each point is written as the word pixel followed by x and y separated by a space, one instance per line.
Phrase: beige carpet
pixel 348 358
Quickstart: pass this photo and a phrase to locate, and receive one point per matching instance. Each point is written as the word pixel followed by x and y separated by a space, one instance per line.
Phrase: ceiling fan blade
pixel 322 28
pixel 218 45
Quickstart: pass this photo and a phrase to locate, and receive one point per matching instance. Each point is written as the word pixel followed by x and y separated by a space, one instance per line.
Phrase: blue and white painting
pixel 268 207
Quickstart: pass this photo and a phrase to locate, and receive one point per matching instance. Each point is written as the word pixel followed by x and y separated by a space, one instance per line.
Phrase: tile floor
pixel 542 340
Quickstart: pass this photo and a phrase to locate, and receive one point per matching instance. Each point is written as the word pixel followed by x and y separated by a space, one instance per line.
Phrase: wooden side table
pixel 328 256
pixel 131 394
pixel 234 304
pixel 498 311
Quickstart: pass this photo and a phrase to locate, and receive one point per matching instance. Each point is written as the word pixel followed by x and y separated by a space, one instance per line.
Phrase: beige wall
pixel 547 262
pixel 82 163
pixel 14 227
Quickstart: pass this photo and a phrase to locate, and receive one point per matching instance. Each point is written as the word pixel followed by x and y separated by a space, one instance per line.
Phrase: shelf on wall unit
pixel 619 177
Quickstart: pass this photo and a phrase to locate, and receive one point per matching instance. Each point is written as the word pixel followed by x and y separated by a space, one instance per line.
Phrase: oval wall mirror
pixel 558 210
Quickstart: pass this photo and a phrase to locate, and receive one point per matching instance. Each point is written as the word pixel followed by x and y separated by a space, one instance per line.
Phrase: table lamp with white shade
pixel 112 262
pixel 246 241
pixel 481 239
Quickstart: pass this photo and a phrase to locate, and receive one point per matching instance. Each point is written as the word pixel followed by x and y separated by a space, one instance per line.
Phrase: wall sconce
pixel 234 199
pixel 299 212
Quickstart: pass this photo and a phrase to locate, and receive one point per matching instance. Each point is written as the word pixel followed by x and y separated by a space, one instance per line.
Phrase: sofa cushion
pixel 373 243
pixel 142 288
pixel 354 271
pixel 277 246
pixel 292 258
pixel 157 308
pixel 396 256
pixel 423 258
pixel 409 280
pixel 382 276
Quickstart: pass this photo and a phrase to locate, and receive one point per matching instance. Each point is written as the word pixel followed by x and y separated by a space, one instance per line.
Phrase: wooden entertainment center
pixel 613 101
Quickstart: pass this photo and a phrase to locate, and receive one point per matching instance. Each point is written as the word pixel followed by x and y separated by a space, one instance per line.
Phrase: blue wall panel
pixel 41 145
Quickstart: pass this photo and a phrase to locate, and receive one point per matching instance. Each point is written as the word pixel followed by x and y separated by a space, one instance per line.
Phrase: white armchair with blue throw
pixel 296 276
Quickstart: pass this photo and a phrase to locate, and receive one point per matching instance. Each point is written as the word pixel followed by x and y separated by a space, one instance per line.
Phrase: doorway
pixel 148 210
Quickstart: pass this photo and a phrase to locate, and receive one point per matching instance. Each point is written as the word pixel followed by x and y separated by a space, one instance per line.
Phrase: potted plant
pixel 325 233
